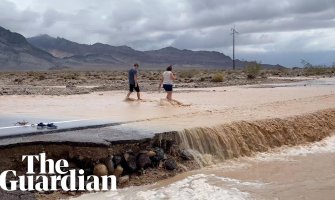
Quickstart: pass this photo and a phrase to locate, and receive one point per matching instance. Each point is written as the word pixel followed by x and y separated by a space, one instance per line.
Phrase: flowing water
pixel 292 158
pixel 252 143
pixel 300 172
pixel 245 138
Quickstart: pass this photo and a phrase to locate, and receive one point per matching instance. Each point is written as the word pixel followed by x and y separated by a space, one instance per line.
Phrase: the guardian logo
pixel 54 176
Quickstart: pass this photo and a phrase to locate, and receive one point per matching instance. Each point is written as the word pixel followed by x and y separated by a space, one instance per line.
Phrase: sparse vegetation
pixel 41 77
pixel 218 77
pixel 316 70
pixel 190 73
pixel 252 70
pixel 70 76
pixel 18 80
pixel 43 82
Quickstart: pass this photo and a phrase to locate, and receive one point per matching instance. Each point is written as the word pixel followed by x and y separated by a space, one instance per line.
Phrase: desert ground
pixel 83 82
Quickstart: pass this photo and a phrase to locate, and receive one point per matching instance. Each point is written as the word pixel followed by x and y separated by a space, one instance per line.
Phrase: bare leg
pixel 169 95
pixel 138 96
pixel 128 95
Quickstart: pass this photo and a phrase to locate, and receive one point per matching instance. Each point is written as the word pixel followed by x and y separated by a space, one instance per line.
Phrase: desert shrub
pixel 36 75
pixel 252 70
pixel 70 76
pixel 264 75
pixel 188 73
pixel 310 71
pixel 32 74
pixel 41 77
pixel 19 80
pixel 218 77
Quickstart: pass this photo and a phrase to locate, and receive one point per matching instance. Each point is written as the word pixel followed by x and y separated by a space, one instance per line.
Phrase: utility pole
pixel 233 32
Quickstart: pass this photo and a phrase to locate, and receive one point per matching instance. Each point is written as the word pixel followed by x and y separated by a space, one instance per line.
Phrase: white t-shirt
pixel 167 78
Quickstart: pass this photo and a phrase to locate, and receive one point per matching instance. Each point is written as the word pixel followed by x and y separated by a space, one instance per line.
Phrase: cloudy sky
pixel 270 31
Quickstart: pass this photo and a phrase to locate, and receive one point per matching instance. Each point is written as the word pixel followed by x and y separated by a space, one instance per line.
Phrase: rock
pixel 186 155
pixel 88 163
pixel 170 164
pixel 126 156
pixel 143 151
pixel 143 161
pixel 118 171
pixel 88 172
pixel 109 164
pixel 78 160
pixel 117 160
pixel 130 162
pixel 123 179
pixel 159 155
pixel 83 163
pixel 151 153
pixel 100 170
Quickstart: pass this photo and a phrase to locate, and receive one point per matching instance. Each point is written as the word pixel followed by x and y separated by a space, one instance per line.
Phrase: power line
pixel 233 32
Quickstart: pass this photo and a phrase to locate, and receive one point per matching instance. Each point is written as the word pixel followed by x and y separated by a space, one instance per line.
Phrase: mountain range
pixel 18 54
pixel 44 52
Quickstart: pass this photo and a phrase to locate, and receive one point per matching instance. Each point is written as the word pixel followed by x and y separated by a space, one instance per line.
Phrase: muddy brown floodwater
pixel 250 142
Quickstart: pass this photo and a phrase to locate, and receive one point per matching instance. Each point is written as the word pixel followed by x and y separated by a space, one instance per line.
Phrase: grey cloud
pixel 203 40
pixel 261 11
pixel 312 6
pixel 50 17
pixel 289 59
pixel 14 19
pixel 186 24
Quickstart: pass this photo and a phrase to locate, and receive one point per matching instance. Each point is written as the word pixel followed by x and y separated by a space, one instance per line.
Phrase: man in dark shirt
pixel 133 84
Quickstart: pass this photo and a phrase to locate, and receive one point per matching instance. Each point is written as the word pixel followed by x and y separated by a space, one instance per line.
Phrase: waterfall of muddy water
pixel 211 144
pixel 300 172
pixel 258 156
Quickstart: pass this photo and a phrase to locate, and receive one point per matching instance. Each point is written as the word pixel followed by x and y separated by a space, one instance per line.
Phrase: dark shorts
pixel 132 87
pixel 167 87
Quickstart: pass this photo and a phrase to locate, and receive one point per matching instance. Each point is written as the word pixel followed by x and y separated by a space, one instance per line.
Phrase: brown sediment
pixel 206 144
pixel 244 138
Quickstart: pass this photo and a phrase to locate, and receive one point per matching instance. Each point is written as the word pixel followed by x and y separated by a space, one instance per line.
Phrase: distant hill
pixel 45 52
pixel 105 56
pixel 17 54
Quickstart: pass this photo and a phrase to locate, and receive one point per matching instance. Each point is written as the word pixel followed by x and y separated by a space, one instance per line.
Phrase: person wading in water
pixel 133 84
pixel 167 81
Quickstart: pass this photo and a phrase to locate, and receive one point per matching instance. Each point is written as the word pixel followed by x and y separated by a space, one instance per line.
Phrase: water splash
pixel 199 186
